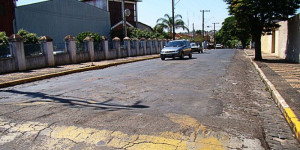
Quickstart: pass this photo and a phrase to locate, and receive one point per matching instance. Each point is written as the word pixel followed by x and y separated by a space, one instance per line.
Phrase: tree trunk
pixel 244 44
pixel 257 39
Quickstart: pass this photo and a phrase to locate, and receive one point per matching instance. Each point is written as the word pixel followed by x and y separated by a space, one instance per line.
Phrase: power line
pixel 177 2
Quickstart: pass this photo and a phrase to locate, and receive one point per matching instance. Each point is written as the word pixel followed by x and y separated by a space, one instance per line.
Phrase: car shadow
pixel 107 105
pixel 201 53
pixel 177 59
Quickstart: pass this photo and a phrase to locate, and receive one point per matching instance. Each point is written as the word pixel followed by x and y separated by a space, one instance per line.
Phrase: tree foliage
pixel 81 36
pixel 138 33
pixel 231 33
pixel 29 38
pixel 260 16
pixel 167 23
pixel 3 38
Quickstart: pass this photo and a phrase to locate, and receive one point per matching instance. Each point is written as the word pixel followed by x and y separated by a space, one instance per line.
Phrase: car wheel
pixel 162 58
pixel 190 56
pixel 182 55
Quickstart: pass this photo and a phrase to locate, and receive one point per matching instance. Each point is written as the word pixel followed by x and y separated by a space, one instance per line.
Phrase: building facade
pixel 7 16
pixel 116 13
pixel 58 18
pixel 284 41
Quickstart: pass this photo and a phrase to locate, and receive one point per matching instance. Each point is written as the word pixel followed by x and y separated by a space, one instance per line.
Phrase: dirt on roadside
pixel 247 102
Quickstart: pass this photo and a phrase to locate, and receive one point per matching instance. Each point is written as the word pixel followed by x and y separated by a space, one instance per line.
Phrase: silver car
pixel 177 48
pixel 196 48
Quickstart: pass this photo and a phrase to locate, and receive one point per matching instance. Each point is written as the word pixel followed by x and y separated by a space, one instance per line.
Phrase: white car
pixel 218 46
pixel 196 48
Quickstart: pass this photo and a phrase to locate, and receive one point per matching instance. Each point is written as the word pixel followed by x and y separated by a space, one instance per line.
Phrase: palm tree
pixel 166 23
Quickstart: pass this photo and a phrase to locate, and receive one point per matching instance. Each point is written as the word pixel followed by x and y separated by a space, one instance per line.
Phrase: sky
pixel 150 10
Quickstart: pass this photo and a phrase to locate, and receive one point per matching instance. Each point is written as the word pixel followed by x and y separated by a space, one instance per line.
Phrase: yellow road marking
pixel 65 136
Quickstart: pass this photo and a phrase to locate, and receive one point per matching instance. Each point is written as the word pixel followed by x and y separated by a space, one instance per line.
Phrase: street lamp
pixel 126 14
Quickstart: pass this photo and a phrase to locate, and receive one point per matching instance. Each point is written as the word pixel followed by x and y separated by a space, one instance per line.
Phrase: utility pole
pixel 203 21
pixel 124 18
pixel 193 31
pixel 173 20
pixel 215 32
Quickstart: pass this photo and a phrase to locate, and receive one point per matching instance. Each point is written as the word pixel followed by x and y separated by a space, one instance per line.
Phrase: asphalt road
pixel 213 101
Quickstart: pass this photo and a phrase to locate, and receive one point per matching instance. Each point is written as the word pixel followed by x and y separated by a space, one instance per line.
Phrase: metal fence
pixel 98 46
pixel 32 49
pixel 153 43
pixel 4 51
pixel 148 44
pixel 59 48
pixel 122 45
pixel 133 44
pixel 141 44
pixel 80 47
pixel 110 45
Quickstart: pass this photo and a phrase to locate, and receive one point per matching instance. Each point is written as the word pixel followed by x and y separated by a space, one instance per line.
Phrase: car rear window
pixel 175 44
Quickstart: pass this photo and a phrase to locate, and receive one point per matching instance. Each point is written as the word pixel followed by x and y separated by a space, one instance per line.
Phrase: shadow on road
pixel 276 61
pixel 106 105
pixel 178 59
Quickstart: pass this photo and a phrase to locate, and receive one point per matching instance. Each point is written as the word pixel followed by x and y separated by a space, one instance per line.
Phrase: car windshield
pixel 175 44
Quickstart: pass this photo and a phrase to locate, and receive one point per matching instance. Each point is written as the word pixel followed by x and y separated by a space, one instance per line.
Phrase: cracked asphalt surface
pixel 213 101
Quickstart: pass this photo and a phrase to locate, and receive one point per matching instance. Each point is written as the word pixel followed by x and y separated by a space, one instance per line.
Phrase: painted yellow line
pixel 51 75
pixel 53 136
pixel 293 121
pixel 288 113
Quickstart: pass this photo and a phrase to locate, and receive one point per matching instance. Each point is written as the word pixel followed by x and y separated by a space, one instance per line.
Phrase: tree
pixel 260 16
pixel 231 32
pixel 198 32
pixel 166 23
pixel 138 33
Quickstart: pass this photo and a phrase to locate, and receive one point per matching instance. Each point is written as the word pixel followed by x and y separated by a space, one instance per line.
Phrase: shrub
pixel 29 38
pixel 81 36
pixel 3 38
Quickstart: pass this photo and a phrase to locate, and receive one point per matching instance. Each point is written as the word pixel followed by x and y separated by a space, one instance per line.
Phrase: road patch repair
pixel 42 76
pixel 288 113
pixel 51 136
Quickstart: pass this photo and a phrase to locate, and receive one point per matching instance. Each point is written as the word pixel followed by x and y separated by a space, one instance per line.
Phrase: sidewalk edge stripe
pixel 51 75
pixel 287 112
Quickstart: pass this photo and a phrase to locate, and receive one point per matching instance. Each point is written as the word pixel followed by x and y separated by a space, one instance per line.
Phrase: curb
pixel 288 113
pixel 51 75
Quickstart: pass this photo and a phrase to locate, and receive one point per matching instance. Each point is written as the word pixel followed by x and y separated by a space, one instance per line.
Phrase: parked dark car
pixel 177 48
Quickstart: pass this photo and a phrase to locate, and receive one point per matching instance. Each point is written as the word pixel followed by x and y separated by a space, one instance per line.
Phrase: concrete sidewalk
pixel 283 81
pixel 15 78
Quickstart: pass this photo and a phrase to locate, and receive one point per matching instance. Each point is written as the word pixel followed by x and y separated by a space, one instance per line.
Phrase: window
pixel 99 3
pixel 2 11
